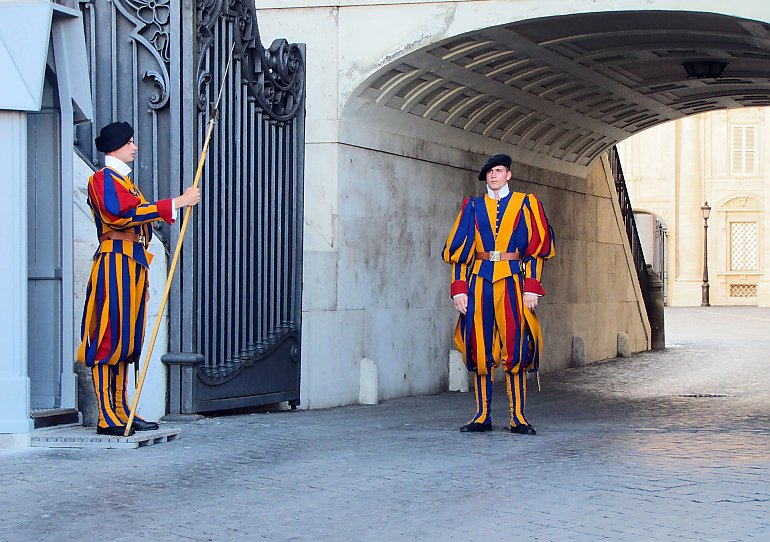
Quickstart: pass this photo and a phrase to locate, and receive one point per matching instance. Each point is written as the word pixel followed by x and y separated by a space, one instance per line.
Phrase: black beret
pixel 496 160
pixel 114 136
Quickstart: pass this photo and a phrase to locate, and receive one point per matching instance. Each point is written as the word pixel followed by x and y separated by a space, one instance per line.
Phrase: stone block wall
pixel 383 292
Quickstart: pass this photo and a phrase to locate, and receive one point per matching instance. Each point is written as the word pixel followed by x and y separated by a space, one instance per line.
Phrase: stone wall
pixel 382 292
pixel 15 423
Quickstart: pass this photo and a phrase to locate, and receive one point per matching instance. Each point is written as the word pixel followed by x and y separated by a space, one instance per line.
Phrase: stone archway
pixel 398 122
pixel 561 90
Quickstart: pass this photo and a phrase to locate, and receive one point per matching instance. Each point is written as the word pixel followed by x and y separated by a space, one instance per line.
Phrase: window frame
pixel 744 150
pixel 757 263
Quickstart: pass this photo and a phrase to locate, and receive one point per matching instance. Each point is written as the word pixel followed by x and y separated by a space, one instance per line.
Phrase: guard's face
pixel 126 152
pixel 497 177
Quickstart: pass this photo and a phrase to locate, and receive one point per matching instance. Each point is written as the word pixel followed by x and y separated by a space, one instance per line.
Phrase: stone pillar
pixel 578 351
pixel 181 380
pixel 458 373
pixel 763 288
pixel 369 387
pixel 15 422
pixel 656 311
pixel 689 230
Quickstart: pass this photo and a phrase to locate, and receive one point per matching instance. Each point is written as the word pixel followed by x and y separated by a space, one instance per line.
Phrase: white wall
pixel 383 292
pixel 15 423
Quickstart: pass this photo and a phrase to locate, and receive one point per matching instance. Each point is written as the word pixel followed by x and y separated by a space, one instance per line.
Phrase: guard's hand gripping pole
pixel 177 250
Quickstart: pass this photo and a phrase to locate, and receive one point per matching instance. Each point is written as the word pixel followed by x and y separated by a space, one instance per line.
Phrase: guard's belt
pixel 497 256
pixel 122 236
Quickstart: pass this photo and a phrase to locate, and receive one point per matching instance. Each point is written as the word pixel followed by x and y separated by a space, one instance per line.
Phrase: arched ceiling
pixel 569 87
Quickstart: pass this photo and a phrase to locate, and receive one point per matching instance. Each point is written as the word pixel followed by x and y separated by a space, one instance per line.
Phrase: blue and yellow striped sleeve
pixel 541 246
pixel 458 249
pixel 119 208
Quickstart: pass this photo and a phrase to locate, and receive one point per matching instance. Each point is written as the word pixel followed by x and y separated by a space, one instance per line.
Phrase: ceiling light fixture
pixel 705 69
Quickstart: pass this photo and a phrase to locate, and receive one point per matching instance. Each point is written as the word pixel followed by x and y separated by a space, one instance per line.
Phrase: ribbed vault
pixel 569 87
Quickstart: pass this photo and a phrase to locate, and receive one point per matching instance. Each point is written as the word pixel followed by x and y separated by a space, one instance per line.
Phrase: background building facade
pixel 722 158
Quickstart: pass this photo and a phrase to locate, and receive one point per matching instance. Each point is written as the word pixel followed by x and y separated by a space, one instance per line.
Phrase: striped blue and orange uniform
pixel 114 315
pixel 497 327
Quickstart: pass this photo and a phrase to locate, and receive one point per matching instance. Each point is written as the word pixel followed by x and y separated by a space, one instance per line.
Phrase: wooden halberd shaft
pixel 177 251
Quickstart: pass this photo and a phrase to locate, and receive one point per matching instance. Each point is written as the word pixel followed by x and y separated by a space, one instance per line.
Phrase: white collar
pixel 118 165
pixel 504 191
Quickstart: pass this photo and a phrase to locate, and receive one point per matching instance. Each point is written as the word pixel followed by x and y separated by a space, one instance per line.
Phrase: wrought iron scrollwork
pixel 274 76
pixel 151 30
pixel 160 98
pixel 155 15
pixel 207 14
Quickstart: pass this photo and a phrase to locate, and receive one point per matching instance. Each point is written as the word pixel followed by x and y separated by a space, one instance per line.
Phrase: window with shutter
pixel 749 149
pixel 744 150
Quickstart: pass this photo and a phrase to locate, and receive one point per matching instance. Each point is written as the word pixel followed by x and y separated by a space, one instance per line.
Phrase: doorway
pixel 652 234
pixel 44 252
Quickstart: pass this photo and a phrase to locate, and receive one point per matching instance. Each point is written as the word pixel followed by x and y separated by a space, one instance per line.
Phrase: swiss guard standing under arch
pixel 497 247
pixel 116 299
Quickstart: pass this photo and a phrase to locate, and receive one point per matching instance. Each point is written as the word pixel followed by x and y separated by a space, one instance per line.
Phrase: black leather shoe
pixel 144 425
pixel 113 431
pixel 523 430
pixel 474 427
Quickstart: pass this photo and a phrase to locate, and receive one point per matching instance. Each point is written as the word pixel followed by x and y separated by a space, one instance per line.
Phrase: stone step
pixel 86 437
pixel 50 417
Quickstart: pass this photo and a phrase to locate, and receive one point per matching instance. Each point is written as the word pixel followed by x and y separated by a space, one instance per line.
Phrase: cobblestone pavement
pixel 662 446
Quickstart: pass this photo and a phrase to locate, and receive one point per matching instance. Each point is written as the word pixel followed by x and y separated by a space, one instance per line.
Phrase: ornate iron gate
pixel 248 273
pixel 235 306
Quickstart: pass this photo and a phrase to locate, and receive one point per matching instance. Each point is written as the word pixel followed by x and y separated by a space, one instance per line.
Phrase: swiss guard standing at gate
pixel 497 247
pixel 116 299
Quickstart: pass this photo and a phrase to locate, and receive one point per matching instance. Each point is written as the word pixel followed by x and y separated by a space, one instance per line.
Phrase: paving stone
pixel 663 446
